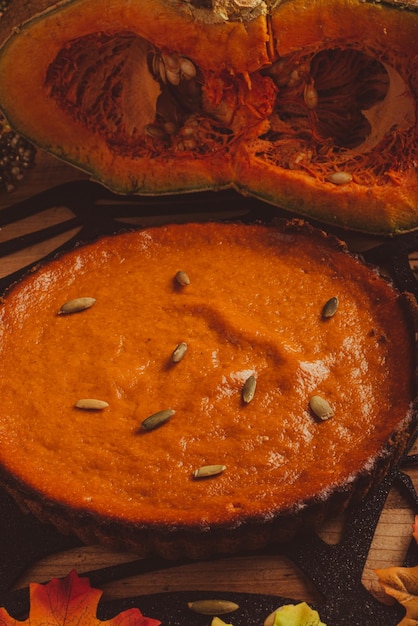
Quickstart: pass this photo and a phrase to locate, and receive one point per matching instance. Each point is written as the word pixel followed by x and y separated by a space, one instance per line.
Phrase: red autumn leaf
pixel 70 601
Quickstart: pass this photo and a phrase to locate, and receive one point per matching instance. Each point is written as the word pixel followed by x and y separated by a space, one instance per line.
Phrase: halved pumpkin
pixel 310 106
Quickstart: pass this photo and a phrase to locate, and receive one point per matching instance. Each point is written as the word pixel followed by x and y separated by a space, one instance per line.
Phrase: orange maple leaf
pixel 70 601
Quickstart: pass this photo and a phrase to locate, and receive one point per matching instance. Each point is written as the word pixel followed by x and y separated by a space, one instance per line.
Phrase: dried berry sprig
pixel 3 6
pixel 17 155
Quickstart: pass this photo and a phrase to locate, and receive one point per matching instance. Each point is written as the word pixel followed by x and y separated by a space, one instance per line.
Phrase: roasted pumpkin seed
pixel 321 408
pixel 76 305
pixel 157 419
pixel 91 404
pixel 248 391
pixel 179 352
pixel 330 307
pixel 182 278
pixel 213 607
pixel 208 470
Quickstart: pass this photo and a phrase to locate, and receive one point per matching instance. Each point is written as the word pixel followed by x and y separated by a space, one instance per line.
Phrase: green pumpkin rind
pixel 241 103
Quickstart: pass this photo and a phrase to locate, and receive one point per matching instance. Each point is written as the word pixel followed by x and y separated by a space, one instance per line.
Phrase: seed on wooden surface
pixel 76 305
pixel 157 419
pixel 91 404
pixel 330 307
pixel 321 408
pixel 182 278
pixel 213 607
pixel 248 391
pixel 179 352
pixel 209 470
pixel 339 178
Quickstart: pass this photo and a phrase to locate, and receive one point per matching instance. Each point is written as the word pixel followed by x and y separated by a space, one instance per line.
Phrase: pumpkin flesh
pixel 362 122
pixel 308 106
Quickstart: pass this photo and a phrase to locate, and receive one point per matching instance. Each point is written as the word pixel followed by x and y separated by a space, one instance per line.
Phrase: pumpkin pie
pixel 185 390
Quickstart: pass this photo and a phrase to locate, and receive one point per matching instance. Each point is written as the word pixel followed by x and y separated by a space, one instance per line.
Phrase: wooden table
pixel 267 573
